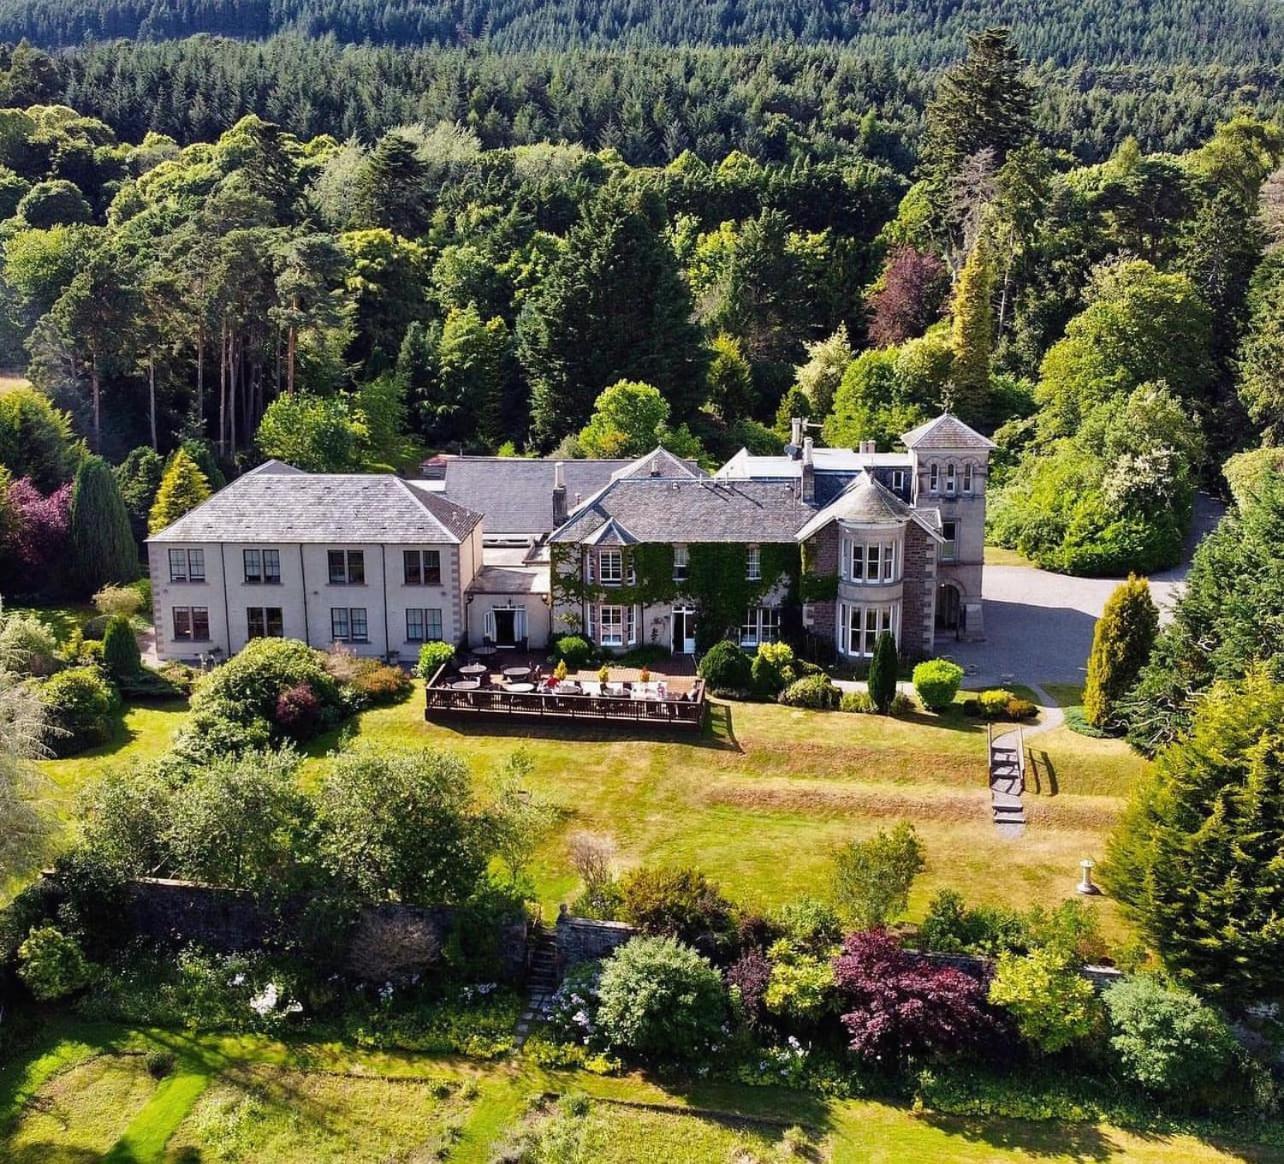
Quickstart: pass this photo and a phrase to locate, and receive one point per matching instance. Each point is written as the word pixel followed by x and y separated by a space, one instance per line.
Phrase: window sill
pixel 187 582
pixel 261 582
pixel 345 584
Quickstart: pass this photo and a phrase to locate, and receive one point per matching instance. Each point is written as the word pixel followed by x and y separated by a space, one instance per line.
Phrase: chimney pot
pixel 795 431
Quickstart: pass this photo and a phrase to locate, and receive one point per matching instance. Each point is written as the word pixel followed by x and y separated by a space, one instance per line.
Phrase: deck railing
pixel 688 711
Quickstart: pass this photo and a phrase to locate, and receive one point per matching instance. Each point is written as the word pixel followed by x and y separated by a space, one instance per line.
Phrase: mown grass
pixel 761 799
pixel 251 1098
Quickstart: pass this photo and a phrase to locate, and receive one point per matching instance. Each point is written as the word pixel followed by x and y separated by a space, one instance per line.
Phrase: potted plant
pixel 559 672
pixel 603 674
pixel 645 677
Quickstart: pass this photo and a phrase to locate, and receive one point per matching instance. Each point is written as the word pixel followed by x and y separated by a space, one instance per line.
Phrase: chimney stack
pixel 808 472
pixel 559 494
pixel 795 432
pixel 655 465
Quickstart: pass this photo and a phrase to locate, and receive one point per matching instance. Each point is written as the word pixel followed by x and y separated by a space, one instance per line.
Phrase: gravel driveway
pixel 1038 625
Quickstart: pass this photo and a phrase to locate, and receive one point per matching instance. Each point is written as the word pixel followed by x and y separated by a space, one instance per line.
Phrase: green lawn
pixel 760 800
pixel 85 1095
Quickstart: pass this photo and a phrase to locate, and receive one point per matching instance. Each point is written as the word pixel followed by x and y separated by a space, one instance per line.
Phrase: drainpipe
pixel 227 617
pixel 383 563
pixel 303 577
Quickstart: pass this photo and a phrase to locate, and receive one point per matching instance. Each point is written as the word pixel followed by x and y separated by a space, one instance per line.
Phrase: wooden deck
pixel 678 711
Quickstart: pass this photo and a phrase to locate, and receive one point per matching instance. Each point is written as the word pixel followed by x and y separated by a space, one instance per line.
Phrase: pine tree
pixel 972 334
pixel 883 667
pixel 1121 644
pixel 983 103
pixel 103 550
pixel 182 488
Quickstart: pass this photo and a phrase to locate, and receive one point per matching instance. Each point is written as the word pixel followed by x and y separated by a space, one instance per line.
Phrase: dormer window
pixel 898 480
pixel 611 567
pixel 934 478
pixel 753 564
pixel 951 480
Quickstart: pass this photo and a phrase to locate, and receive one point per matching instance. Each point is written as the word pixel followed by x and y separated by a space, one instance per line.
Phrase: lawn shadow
pixel 716 734
pixel 1041 773
pixel 952 719
pixel 726 1104
pixel 1051 1138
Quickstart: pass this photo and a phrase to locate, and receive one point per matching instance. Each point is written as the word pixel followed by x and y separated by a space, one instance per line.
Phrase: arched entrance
pixel 949 608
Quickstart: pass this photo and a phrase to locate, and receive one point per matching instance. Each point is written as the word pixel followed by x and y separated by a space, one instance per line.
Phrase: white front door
pixel 684 630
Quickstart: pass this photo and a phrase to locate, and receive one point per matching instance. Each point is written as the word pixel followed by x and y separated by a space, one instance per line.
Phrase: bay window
pixel 613 626
pixel 862 624
pixel 873 561
pixel 610 566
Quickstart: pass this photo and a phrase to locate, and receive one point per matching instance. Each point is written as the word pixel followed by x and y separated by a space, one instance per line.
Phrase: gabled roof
pixel 659 462
pixel 279 503
pixel 690 509
pixel 865 502
pixel 610 534
pixel 516 493
pixel 945 432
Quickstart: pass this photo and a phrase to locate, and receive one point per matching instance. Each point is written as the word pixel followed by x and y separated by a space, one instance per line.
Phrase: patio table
pixel 484 652
pixel 568 689
pixel 520 687
pixel 466 685
pixel 477 669
pixel 518 673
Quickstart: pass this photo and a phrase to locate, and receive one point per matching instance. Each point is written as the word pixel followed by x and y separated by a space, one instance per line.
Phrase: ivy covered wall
pixel 715 583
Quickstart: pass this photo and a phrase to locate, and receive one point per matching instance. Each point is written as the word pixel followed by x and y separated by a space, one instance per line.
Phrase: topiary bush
pixel 937 682
pixel 120 648
pixel 432 656
pixel 661 1000
pixel 82 707
pixel 52 964
pixel 726 669
pixel 814 691
pixel 883 669
pixel 382 684
pixel 575 651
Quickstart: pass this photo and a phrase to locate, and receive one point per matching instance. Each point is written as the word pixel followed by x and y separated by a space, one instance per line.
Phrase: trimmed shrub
pixel 1121 645
pixel 382 684
pixel 103 549
pixel 857 702
pixel 814 691
pixel 83 706
pixel 660 999
pixel 120 648
pixel 432 656
pixel 993 704
pixel 1019 708
pixel 122 600
pixel 577 652
pixel 773 669
pixel 726 669
pixel 883 669
pixel 1167 1040
pixel 52 965
pixel 937 682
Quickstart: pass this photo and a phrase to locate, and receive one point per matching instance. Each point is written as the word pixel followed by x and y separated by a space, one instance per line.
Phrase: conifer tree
pixel 182 488
pixel 103 550
pixel 882 672
pixel 120 648
pixel 391 188
pixel 972 335
pixel 1196 858
pixel 1121 644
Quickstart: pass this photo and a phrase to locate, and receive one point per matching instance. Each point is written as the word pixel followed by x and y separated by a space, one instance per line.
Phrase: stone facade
pixel 582 939
pixel 918 612
pixel 821 555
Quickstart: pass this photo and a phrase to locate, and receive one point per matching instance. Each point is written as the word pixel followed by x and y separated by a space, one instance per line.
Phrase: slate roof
pixel 745 466
pixel 867 503
pixel 516 494
pixel 510 580
pixel 279 503
pixel 945 432
pixel 660 509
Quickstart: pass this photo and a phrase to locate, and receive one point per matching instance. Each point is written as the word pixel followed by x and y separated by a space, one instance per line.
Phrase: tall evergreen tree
pixel 103 550
pixel 472 375
pixel 972 334
pixel 1196 859
pixel 1121 644
pixel 983 103
pixel 392 189
pixel 882 672
pixel 612 305
pixel 182 489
